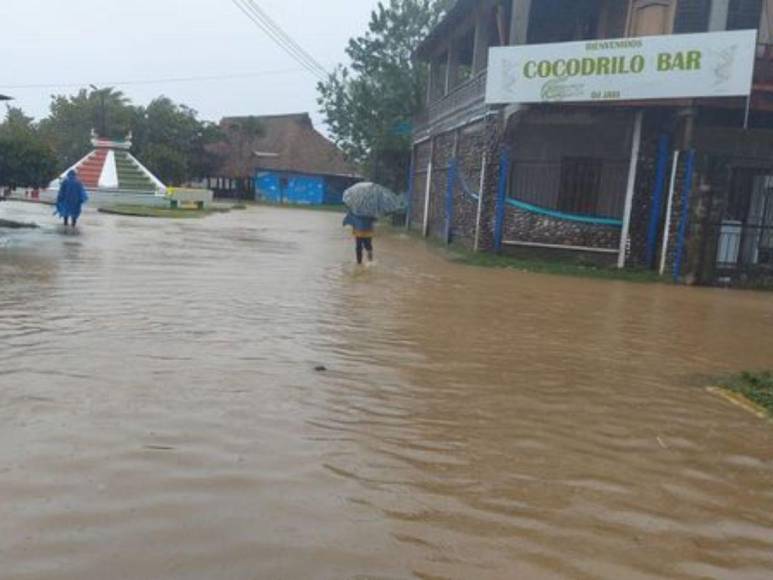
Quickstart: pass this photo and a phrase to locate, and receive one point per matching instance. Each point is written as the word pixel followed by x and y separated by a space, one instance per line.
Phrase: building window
pixel 496 30
pixel 464 52
pixel 692 16
pixel 651 17
pixel 561 21
pixel 744 14
pixel 580 185
pixel 439 76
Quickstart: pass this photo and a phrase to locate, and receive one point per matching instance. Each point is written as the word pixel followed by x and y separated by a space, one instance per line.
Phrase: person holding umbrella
pixel 362 228
pixel 367 202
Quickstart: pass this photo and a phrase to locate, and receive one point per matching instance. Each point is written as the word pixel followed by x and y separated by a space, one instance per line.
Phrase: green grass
pixel 555 267
pixel 161 212
pixel 576 268
pixel 757 387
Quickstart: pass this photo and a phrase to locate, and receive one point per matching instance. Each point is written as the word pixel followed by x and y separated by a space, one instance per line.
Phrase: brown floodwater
pixel 161 416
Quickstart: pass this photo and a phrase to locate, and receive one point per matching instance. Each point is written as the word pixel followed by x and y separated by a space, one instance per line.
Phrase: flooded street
pixel 161 416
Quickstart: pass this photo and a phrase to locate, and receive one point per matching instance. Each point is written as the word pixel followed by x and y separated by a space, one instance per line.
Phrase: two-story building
pixel 683 185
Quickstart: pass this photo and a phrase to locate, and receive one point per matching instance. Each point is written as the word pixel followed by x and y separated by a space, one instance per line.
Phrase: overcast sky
pixel 65 44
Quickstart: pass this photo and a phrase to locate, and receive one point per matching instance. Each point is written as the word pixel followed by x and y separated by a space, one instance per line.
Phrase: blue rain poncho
pixel 362 226
pixel 72 196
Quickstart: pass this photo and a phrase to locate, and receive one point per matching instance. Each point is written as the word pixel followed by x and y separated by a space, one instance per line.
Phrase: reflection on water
pixel 160 415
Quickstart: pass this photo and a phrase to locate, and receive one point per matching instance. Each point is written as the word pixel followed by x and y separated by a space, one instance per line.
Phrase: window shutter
pixel 692 16
pixel 744 14
pixel 651 17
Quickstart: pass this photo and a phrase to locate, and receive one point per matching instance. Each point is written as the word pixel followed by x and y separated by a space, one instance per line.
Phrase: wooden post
pixel 428 190
pixel 411 181
pixel 669 211
pixel 519 22
pixel 453 168
pixel 718 15
pixel 481 42
pixel 479 214
pixel 451 67
pixel 631 189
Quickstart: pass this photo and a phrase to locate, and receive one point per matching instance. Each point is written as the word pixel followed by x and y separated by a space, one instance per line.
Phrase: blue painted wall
pixel 297 189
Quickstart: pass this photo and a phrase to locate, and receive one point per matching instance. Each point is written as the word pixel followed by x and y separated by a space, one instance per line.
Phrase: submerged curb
pixel 9 224
pixel 740 401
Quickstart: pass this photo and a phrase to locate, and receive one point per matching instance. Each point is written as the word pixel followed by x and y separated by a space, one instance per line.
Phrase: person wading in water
pixel 72 196
pixel 363 233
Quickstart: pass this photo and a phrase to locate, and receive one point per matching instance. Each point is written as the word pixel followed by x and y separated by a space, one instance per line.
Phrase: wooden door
pixel 651 17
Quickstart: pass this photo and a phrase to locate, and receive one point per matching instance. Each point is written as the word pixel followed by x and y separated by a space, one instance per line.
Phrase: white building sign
pixel 715 64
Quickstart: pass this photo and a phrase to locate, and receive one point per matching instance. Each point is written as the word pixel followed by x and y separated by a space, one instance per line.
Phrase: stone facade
pixel 717 151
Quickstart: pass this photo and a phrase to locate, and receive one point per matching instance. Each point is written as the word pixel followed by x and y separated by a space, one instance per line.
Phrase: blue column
pixel 685 217
pixel 451 182
pixel 656 212
pixel 499 223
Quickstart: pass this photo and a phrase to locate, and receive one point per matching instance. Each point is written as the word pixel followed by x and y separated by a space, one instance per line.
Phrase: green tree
pixel 369 106
pixel 72 118
pixel 26 160
pixel 168 137
pixel 172 141
pixel 168 164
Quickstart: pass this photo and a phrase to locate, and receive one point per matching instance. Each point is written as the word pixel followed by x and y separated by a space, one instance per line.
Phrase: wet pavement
pixel 161 415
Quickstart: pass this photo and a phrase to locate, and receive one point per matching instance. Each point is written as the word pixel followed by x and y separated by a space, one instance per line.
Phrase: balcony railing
pixel 466 97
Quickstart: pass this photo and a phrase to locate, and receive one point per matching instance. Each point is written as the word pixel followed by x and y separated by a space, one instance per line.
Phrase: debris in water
pixel 17 225
pixel 320 368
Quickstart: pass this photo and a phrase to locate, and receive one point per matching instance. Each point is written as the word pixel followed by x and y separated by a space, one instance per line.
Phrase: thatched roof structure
pixel 284 143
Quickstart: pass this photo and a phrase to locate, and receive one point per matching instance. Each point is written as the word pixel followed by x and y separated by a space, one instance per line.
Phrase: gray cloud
pixel 65 44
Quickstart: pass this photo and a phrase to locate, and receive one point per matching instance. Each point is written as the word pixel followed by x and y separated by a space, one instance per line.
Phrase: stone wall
pixel 467 144
pixel 522 226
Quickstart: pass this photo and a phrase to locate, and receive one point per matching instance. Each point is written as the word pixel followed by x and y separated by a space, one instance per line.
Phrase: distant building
pixel 612 130
pixel 280 159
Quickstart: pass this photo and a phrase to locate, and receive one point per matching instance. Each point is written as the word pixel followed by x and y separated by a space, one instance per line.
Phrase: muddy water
pixel 160 416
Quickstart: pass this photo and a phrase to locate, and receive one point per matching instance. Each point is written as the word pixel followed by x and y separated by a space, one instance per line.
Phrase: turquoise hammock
pixel 569 217
pixel 535 209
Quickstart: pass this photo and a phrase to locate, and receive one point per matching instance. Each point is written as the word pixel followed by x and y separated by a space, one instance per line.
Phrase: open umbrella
pixel 372 200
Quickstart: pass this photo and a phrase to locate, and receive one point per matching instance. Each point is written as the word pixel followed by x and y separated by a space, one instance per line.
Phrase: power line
pixel 155 81
pixel 250 10
pixel 289 39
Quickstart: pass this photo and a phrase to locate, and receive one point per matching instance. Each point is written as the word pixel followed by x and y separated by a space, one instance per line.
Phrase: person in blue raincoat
pixel 363 234
pixel 72 196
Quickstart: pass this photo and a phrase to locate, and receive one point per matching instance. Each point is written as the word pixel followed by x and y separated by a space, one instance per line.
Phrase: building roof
pixel 287 143
pixel 458 10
